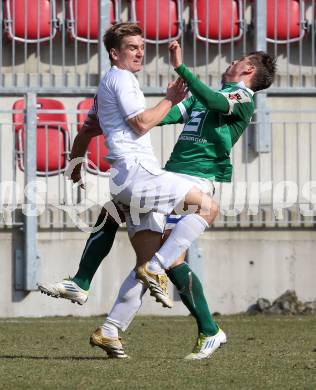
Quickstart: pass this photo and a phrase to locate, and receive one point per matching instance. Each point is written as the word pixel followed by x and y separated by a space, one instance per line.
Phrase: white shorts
pixel 139 219
pixel 154 222
pixel 145 187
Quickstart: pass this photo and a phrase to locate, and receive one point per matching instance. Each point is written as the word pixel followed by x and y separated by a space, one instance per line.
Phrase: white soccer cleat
pixel 207 345
pixel 66 289
pixel 157 284
pixel 112 346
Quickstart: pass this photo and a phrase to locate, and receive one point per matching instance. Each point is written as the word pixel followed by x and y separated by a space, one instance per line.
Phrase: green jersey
pixel 214 121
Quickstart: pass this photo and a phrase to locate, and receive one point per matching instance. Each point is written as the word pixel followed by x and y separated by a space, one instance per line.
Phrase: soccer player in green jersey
pixel 214 120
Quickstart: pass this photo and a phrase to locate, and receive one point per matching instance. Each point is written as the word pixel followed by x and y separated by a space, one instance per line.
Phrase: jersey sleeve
pixel 179 113
pixel 240 103
pixel 211 99
pixel 130 98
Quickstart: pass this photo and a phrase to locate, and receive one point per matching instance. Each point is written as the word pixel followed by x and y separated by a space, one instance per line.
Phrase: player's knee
pixel 213 210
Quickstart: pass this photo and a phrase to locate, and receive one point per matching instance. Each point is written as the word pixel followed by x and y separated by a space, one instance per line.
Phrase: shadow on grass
pixel 78 358
pixel 12 357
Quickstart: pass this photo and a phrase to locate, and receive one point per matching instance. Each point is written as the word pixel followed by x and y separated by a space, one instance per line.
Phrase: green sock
pixel 97 247
pixel 191 293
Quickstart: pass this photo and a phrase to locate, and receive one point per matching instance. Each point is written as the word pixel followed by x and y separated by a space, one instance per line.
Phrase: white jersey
pixel 118 99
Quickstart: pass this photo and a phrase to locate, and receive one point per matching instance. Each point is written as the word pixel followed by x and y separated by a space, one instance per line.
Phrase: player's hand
pixel 175 54
pixel 73 172
pixel 176 91
pixel 77 179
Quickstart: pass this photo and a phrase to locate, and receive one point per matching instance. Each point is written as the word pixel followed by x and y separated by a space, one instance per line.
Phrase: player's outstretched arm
pixel 173 116
pixel 151 117
pixel 209 98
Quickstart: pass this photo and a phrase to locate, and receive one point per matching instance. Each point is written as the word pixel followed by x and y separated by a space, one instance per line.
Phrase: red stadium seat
pixel 160 20
pixel 52 137
pixel 216 21
pixel 83 19
pixel 285 20
pixel 30 21
pixel 96 149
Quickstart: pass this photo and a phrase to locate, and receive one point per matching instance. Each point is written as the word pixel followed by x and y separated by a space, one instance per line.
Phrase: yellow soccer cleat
pixel 112 346
pixel 157 284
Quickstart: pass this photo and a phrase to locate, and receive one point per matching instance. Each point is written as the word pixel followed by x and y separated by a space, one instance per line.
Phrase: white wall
pixel 238 267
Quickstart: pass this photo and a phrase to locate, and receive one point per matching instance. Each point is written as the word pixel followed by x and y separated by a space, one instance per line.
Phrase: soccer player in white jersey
pixel 138 182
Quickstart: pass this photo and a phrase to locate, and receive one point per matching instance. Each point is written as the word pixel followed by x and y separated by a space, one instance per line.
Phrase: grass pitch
pixel 263 352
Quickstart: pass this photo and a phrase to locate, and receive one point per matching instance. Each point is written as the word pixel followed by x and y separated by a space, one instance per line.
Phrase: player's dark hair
pixel 113 36
pixel 265 65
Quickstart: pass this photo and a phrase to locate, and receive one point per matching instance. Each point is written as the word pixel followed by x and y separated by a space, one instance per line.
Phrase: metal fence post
pixel 262 131
pixel 104 62
pixel 31 259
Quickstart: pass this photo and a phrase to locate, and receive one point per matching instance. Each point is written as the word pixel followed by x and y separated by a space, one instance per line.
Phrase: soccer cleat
pixel 112 346
pixel 157 284
pixel 207 345
pixel 66 289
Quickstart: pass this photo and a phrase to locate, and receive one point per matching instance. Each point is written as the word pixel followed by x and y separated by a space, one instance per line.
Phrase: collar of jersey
pixel 239 84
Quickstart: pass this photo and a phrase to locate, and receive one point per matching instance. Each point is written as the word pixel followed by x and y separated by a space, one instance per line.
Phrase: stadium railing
pixel 268 189
pixel 55 49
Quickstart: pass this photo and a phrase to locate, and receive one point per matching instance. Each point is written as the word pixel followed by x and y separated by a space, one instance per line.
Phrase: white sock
pixel 127 303
pixel 109 330
pixel 185 232
pixel 154 266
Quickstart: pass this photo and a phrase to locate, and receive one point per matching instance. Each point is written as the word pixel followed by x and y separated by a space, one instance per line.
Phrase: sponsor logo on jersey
pixel 193 125
pixel 234 96
pixel 239 96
